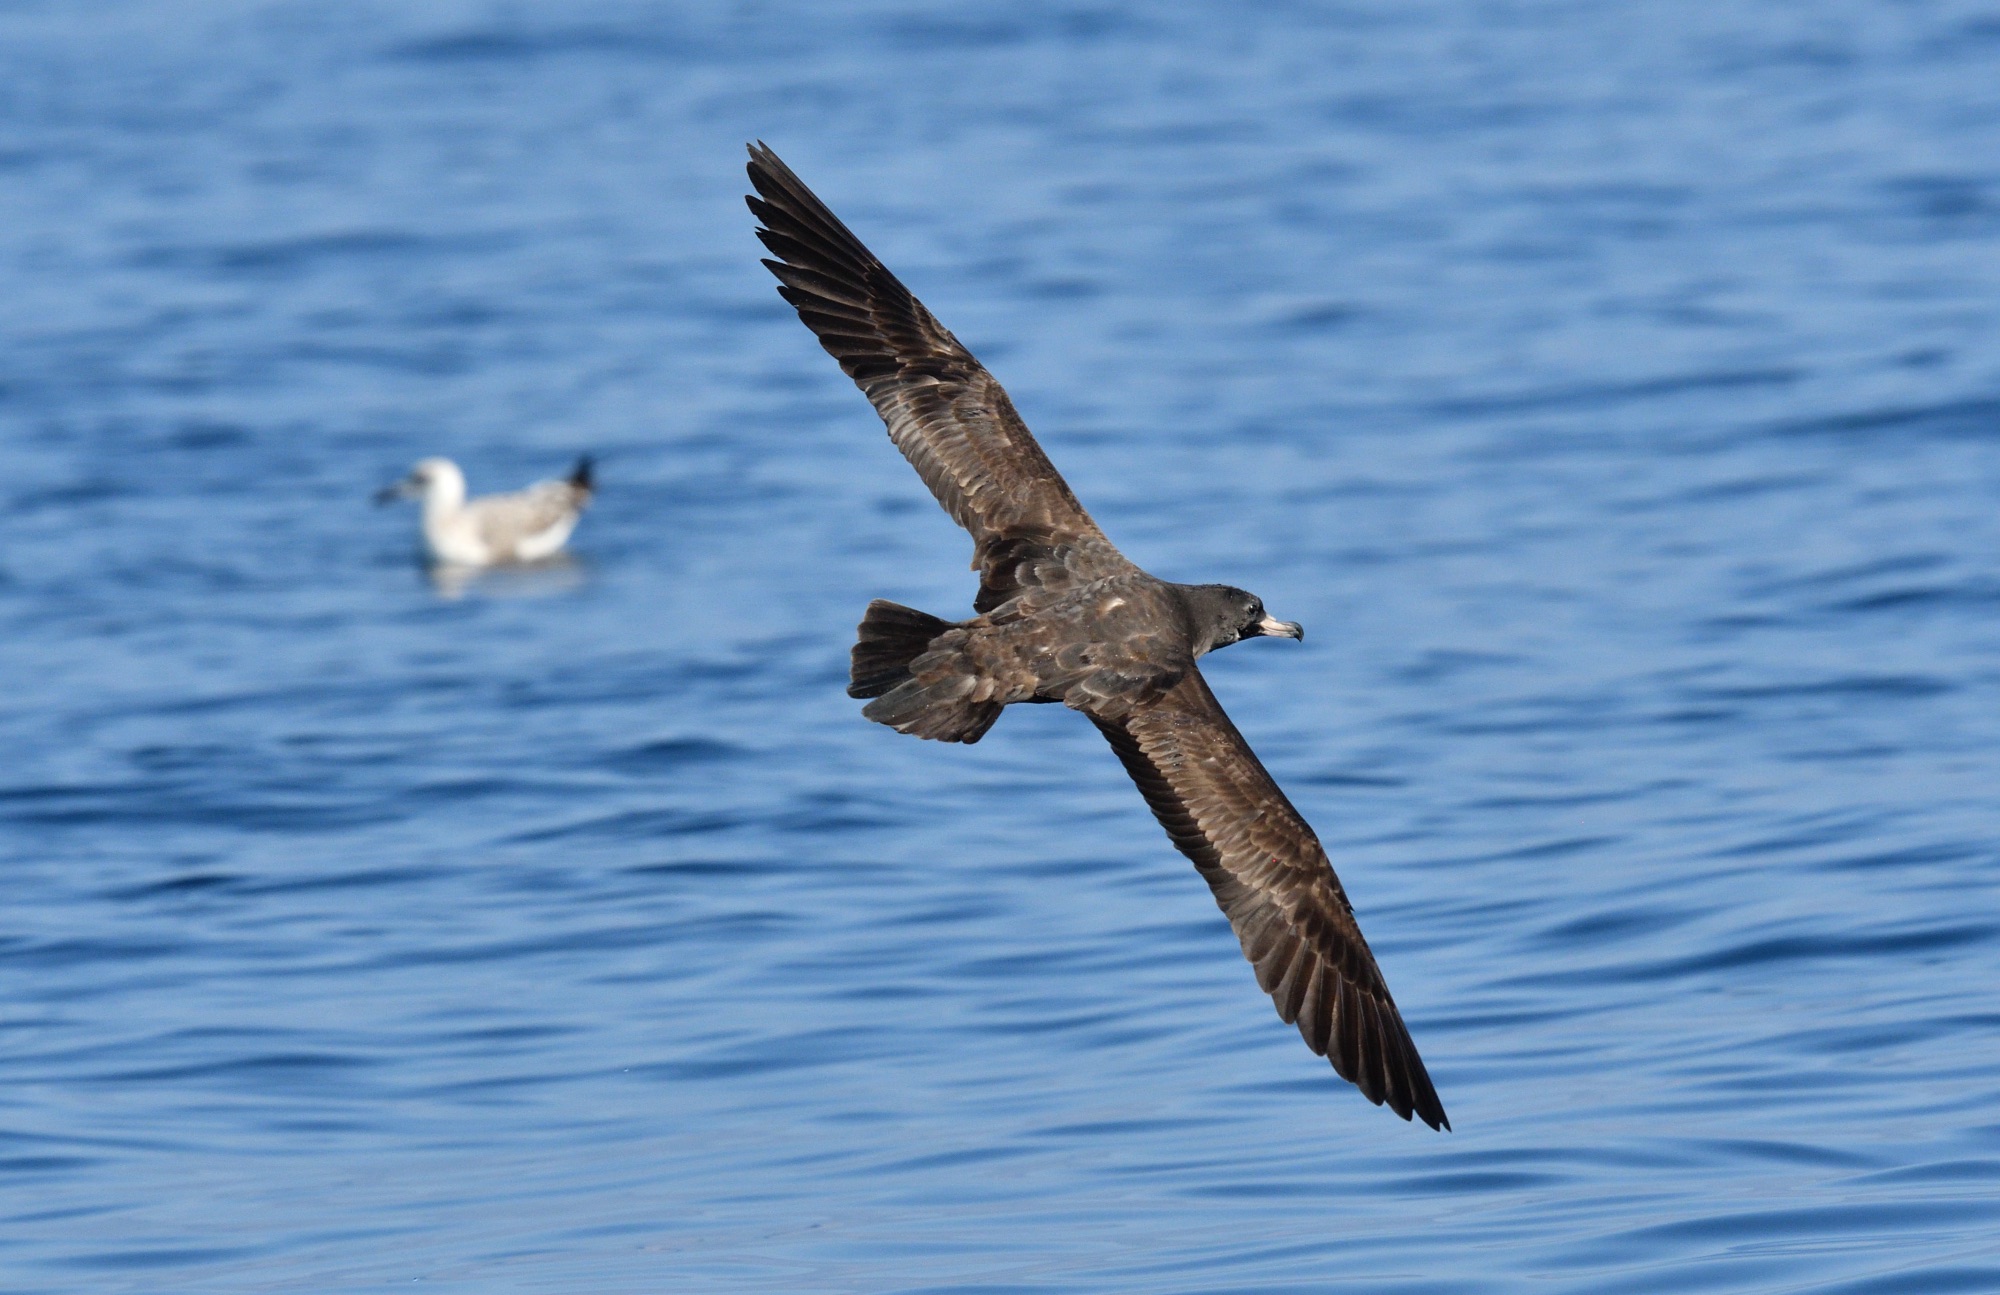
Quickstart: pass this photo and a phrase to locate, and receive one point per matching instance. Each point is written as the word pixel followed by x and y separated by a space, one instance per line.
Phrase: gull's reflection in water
pixel 552 575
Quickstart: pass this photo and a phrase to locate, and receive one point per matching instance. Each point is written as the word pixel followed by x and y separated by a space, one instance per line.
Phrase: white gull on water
pixel 522 526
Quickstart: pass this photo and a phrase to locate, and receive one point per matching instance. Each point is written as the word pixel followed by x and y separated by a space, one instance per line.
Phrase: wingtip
pixel 1382 1064
pixel 584 475
pixel 1415 1087
pixel 757 168
pixel 1430 1110
pixel 1426 1107
pixel 765 168
pixel 772 183
pixel 1420 1111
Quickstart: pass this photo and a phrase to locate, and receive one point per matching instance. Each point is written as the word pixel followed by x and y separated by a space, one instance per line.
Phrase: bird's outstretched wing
pixel 1273 880
pixel 945 412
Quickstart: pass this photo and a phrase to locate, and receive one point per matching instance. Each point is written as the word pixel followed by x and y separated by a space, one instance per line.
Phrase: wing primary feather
pixel 1312 1009
pixel 817 283
pixel 1424 1097
pixel 1347 1062
pixel 1373 1061
pixel 1260 931
pixel 1290 993
pixel 825 316
pixel 1271 971
pixel 1396 1083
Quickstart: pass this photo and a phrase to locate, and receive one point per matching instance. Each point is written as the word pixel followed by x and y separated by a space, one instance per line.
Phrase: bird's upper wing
pixel 1273 880
pixel 506 520
pixel 945 412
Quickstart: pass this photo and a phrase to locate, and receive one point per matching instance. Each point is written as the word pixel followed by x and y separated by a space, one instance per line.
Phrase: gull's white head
pixel 436 481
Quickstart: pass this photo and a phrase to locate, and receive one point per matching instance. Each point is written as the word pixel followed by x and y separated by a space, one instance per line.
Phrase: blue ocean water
pixel 1612 390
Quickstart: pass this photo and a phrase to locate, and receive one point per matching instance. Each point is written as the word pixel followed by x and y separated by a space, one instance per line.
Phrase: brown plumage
pixel 1063 616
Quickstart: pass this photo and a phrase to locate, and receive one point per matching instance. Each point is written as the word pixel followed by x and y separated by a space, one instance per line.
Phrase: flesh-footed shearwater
pixel 1063 616
pixel 522 526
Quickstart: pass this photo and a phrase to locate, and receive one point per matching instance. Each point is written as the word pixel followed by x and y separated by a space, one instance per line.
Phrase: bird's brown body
pixel 1104 646
pixel 1063 616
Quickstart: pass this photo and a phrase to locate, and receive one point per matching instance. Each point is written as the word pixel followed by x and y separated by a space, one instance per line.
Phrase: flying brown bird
pixel 1063 616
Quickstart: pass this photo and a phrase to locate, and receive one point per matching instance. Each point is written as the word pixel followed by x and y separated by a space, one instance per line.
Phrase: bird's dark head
pixel 1224 614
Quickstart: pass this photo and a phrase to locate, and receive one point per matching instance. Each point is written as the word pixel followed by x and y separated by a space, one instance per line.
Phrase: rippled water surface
pixel 1612 390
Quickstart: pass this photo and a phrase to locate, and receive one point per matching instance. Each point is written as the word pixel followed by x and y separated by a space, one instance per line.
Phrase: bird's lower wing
pixel 1274 882
pixel 945 412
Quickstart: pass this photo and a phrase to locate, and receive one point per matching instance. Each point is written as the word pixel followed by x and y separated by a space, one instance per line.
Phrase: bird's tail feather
pixel 945 708
pixel 891 636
